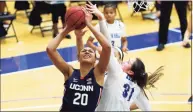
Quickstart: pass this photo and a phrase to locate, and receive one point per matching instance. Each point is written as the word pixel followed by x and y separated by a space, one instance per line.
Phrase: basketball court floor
pixel 29 81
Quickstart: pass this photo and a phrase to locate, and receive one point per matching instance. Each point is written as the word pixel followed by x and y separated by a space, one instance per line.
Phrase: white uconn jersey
pixel 116 31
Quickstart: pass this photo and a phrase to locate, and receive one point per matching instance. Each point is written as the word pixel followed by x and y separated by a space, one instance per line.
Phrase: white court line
pixel 178 31
pixel 28 70
pixel 58 105
pixel 175 30
pixel 141 49
pixel 154 47
pixel 39 68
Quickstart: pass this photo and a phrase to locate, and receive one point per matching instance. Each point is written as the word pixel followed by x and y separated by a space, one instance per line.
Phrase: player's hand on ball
pixel 79 33
pixel 88 16
pixel 94 10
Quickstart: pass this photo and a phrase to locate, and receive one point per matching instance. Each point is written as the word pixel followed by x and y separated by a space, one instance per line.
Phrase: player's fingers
pixel 95 5
pixel 84 31
pixel 90 3
pixel 88 6
pixel 89 9
pixel 92 12
pixel 126 52
pixel 84 10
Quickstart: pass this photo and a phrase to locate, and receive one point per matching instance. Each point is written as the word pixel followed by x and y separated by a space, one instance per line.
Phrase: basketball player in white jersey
pixel 115 27
pixel 125 83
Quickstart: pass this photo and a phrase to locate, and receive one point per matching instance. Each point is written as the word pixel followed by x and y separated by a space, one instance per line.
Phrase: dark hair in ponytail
pixel 141 77
pixel 154 77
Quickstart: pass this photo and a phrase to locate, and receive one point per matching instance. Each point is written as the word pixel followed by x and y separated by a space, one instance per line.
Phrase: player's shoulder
pixel 120 23
pixel 137 88
pixel 134 85
pixel 75 72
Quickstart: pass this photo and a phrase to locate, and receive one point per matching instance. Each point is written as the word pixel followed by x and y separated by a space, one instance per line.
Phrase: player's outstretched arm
pixel 106 47
pixel 54 55
pixel 94 10
pixel 103 29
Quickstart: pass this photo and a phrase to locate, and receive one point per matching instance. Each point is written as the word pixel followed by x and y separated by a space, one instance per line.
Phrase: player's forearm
pixel 124 43
pixel 99 36
pixel 79 45
pixel 56 41
pixel 104 31
pixel 113 63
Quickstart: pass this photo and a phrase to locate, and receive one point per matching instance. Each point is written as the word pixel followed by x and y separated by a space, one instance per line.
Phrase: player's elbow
pixel 107 47
pixel 49 50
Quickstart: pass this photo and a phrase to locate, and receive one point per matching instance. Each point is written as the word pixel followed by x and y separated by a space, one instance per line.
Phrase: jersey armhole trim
pixel 68 75
pixel 95 78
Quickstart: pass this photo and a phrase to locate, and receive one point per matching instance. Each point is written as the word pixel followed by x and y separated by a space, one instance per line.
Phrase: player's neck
pixel 110 21
pixel 85 69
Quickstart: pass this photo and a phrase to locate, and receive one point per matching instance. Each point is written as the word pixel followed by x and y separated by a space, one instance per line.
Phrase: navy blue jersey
pixel 81 95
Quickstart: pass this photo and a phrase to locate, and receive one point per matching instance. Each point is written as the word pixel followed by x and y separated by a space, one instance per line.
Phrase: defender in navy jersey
pixel 83 86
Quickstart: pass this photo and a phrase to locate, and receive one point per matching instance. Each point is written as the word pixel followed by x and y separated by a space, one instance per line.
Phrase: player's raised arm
pixel 55 57
pixel 103 29
pixel 79 42
pixel 106 47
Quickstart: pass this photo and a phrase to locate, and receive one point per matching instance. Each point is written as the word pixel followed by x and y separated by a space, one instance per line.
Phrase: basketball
pixel 75 17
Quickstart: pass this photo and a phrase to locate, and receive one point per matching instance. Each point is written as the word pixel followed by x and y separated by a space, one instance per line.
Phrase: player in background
pixel 115 27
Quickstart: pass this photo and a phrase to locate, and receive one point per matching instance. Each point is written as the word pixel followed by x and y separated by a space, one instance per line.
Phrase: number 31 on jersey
pixel 127 92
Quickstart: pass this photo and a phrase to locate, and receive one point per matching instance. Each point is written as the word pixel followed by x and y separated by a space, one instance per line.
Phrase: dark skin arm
pixel 54 55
